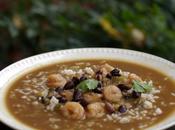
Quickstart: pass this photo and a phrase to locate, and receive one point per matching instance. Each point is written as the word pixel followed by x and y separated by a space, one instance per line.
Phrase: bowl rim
pixel 61 53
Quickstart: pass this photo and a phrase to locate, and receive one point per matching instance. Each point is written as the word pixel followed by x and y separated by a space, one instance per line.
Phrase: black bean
pixel 69 85
pixel 78 95
pixel 99 72
pixel 100 85
pixel 127 97
pixel 98 75
pixel 62 99
pixel 83 78
pixel 122 109
pixel 59 90
pixel 109 107
pixel 123 87
pixel 72 83
pixel 109 76
pixel 99 88
pixel 83 102
pixel 136 94
pixel 115 72
pixel 75 80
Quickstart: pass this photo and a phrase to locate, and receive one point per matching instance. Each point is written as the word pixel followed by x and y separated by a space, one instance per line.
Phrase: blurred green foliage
pixel 29 27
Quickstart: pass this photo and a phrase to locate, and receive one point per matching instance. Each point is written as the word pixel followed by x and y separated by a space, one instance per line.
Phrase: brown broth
pixel 36 117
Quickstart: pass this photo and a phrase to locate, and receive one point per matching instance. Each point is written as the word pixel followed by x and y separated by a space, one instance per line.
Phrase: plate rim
pixel 72 51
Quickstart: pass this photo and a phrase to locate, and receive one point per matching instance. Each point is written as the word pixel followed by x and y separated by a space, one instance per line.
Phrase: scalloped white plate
pixel 13 71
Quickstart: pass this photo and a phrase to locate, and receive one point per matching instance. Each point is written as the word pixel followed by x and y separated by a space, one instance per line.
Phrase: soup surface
pixel 91 95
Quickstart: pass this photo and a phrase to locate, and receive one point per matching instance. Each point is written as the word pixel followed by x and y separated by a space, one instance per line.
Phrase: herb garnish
pixel 141 87
pixel 87 85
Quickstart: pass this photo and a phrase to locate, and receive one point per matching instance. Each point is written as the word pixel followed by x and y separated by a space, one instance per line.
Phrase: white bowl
pixel 13 71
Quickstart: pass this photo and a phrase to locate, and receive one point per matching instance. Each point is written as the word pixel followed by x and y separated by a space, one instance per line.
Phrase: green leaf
pixel 87 85
pixel 3 23
pixel 13 30
pixel 141 87
pixel 31 32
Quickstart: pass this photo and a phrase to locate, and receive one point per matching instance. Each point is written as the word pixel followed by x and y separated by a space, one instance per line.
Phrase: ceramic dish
pixel 13 71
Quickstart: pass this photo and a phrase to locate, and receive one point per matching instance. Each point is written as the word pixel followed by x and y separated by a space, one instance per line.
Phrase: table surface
pixel 3 127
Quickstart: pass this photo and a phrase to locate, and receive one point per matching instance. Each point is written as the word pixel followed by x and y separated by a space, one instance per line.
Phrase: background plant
pixel 29 27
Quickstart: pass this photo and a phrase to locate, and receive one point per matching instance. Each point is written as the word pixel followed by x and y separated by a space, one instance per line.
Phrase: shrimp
pixel 127 78
pixel 112 93
pixel 96 109
pixel 108 67
pixel 55 80
pixel 105 69
pixel 68 94
pixel 91 97
pixel 132 77
pixel 73 110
